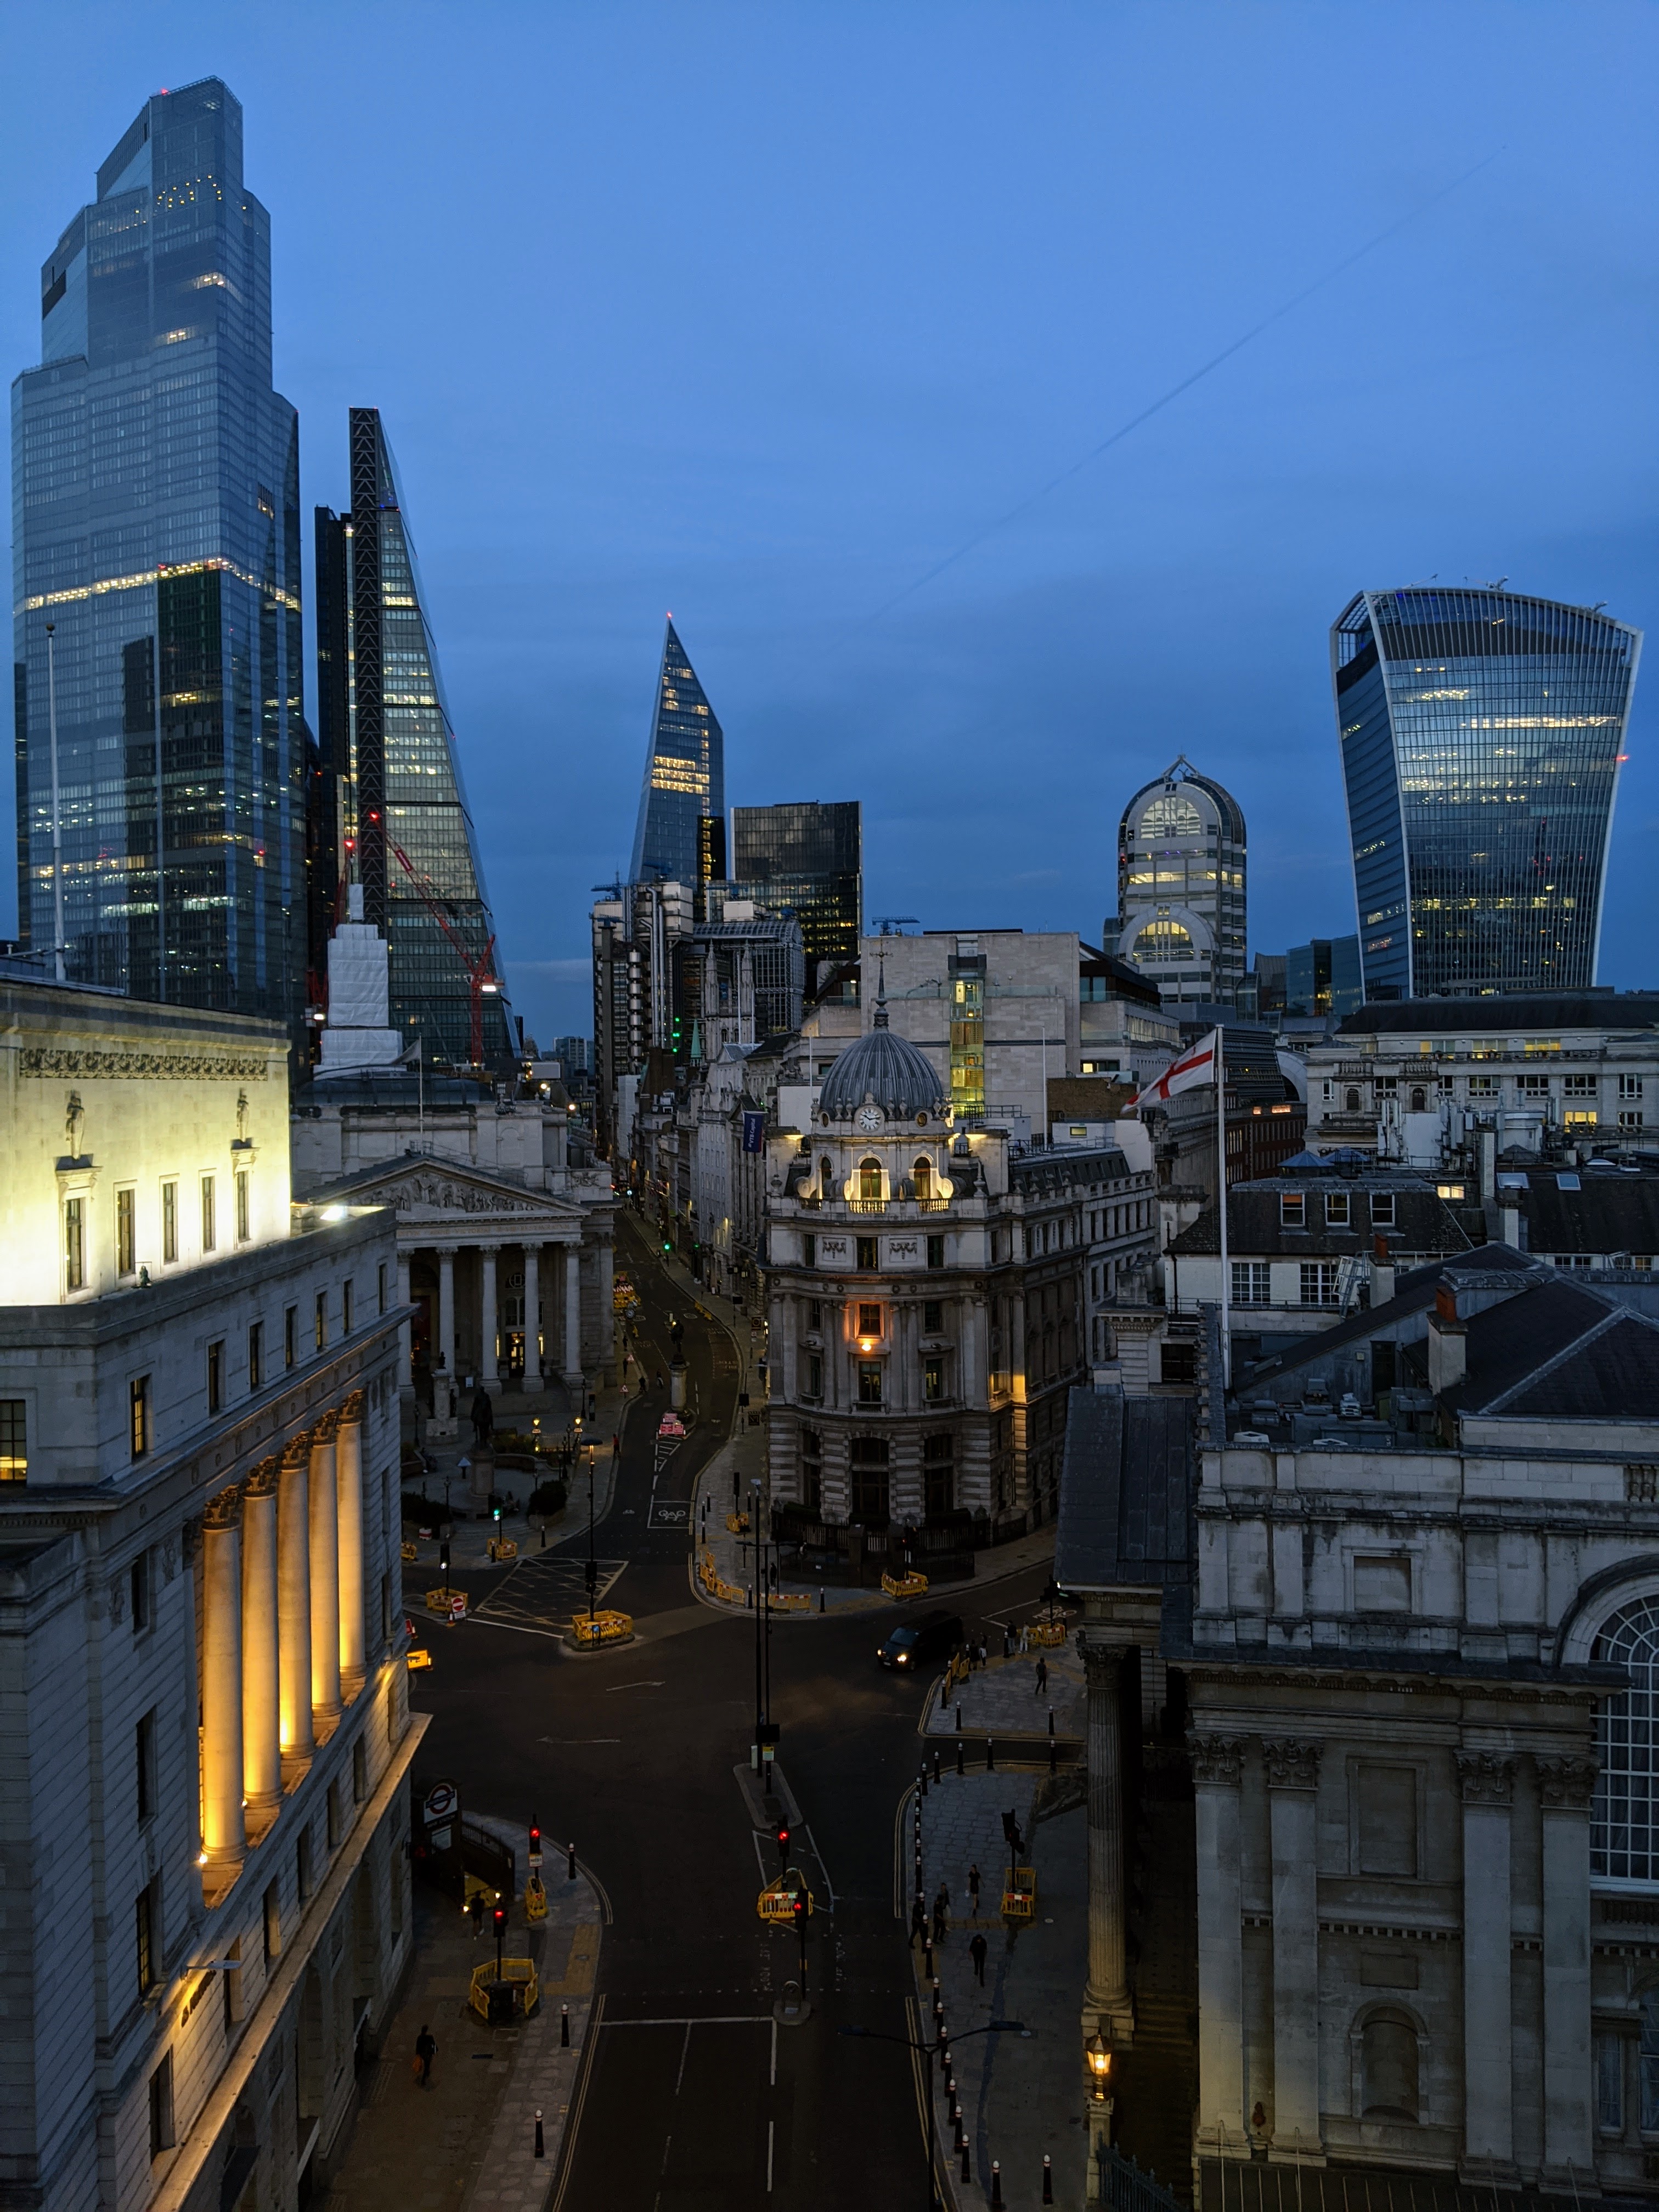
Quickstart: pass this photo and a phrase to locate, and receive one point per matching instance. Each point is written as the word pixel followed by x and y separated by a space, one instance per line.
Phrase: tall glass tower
pixel 155 532
pixel 684 783
pixel 806 855
pixel 1481 735
pixel 388 806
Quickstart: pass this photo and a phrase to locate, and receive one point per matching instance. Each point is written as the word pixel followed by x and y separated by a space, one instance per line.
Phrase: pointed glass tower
pixel 684 783
pixel 388 788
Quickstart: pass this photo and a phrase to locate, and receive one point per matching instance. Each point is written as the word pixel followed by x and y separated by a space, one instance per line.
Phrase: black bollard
pixel 571 1876
pixel 1047 2180
pixel 820 1598
pixel 996 2187
pixel 541 2146
pixel 1053 1762
pixel 1051 1720
pixel 564 2027
pixel 921 1776
pixel 962 1763
pixel 936 1770
pixel 990 1756
pixel 966 2170
pixel 958 1720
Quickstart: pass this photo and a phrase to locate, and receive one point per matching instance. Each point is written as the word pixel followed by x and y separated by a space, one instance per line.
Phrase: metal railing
pixel 1125 2188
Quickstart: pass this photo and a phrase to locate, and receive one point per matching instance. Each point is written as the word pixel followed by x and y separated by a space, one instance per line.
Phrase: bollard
pixel 990 1756
pixel 958 1720
pixel 1053 1762
pixel 571 1876
pixel 996 2187
pixel 564 2027
pixel 962 1763
pixel 1051 1720
pixel 1047 2180
pixel 820 1598
pixel 921 1776
pixel 541 2146
pixel 966 2170
pixel 936 1768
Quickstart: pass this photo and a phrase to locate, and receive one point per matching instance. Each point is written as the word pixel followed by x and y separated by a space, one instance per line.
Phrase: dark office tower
pixel 684 776
pixel 155 478
pixel 1481 734
pixel 394 811
pixel 809 857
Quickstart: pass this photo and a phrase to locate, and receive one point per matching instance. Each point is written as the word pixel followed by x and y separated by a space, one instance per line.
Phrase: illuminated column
pixel 223 1841
pixel 293 1607
pixel 532 1317
pixel 572 1315
pixel 348 1483
pixel 262 1750
pixel 489 1365
pixel 446 1309
pixel 406 1330
pixel 325 1563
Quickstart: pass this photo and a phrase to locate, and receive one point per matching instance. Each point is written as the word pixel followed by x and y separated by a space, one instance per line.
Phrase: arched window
pixel 1388 2068
pixel 1420 1099
pixel 1163 940
pixel 1351 1104
pixel 826 1180
pixel 869 1179
pixel 922 1175
pixel 1625 1825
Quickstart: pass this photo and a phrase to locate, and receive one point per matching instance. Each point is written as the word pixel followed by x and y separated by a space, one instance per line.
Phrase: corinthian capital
pixel 353 1408
pixel 1216 1758
pixel 1566 1783
pixel 223 1510
pixel 1488 1778
pixel 323 1433
pixel 262 1483
pixel 1292 1761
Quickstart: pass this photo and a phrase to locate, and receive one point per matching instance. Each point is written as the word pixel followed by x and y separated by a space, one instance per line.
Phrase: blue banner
pixel 754 1131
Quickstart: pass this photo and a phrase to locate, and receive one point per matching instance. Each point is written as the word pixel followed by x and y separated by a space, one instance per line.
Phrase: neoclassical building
pixel 204 1732
pixel 927 1291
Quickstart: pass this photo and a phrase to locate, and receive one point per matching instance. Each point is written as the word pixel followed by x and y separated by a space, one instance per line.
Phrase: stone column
pixel 348 1491
pixel 223 1839
pixel 262 1736
pixel 1488 1780
pixel 572 1316
pixel 1106 2000
pixel 1292 1787
pixel 406 1330
pixel 325 1563
pixel 294 1607
pixel 490 1363
pixel 446 1308
pixel 532 1316
pixel 1215 1761
pixel 1566 1786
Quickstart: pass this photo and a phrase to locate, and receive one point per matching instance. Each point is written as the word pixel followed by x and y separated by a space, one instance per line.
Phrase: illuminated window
pixel 75 1243
pixel 242 1232
pixel 869 1320
pixel 169 1222
pixel 138 1416
pixel 14 1440
pixel 210 1228
pixel 126 1232
pixel 869 1179
pixel 869 1381
pixel 922 1175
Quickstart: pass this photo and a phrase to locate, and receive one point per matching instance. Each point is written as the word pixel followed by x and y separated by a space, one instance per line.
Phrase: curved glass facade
pixel 685 777
pixel 1481 734
pixel 1181 889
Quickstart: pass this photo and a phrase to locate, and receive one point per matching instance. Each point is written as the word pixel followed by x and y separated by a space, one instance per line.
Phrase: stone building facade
pixel 204 1732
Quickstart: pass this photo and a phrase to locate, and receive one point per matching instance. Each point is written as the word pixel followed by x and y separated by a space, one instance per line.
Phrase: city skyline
pixel 776 475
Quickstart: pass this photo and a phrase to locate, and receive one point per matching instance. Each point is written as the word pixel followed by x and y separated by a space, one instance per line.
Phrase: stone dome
pixel 898 1074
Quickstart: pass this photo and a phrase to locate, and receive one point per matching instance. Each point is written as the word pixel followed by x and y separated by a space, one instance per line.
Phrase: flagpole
pixel 1221 1185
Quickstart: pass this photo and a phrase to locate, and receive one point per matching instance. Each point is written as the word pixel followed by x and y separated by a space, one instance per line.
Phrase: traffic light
pixel 535 1844
pixel 500 1922
pixel 783 1843
pixel 498 1515
pixel 800 1910
pixel 667 1245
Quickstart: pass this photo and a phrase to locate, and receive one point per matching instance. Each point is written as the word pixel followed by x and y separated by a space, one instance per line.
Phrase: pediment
pixel 448 1190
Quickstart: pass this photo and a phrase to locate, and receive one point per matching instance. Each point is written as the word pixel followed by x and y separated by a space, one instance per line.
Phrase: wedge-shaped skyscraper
pixel 388 806
pixel 1481 734
pixel 155 480
pixel 681 833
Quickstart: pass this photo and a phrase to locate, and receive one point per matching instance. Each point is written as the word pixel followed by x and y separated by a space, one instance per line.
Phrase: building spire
pixel 881 991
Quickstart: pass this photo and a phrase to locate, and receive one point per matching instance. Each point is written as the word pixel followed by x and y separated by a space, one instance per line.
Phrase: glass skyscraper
pixel 1481 734
pixel 387 803
pixel 685 787
pixel 807 857
pixel 155 528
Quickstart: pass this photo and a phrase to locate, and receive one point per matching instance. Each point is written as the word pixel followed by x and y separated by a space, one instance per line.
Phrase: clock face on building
pixel 870 1119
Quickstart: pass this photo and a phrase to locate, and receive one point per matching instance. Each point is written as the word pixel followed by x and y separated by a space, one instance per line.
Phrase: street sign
pixel 457 1608
pixel 441 1802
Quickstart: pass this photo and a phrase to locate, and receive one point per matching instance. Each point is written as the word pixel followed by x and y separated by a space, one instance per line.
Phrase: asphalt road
pixel 693 2097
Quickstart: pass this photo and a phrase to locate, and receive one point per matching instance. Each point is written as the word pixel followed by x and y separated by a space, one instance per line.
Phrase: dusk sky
pixel 758 314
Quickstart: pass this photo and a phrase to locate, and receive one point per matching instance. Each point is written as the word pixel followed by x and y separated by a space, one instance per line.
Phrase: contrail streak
pixel 1186 384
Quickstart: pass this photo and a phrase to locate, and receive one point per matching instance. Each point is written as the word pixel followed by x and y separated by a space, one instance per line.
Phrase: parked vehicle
pixel 935 1636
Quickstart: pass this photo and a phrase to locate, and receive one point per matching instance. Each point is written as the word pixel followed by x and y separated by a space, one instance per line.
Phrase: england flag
pixel 1195 1066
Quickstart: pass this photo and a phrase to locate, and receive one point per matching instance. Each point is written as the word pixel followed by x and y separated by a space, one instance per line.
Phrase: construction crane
pixel 892 925
pixel 480 967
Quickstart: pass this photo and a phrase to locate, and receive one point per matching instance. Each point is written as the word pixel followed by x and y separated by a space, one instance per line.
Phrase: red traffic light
pixel 799 1907
pixel 783 1835
pixel 499 1919
pixel 535 1844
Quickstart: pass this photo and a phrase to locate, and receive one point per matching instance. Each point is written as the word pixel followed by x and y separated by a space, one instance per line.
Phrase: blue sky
pixel 758 312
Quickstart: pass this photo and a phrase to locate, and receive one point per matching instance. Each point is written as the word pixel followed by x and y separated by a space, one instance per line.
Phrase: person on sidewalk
pixel 941 1913
pixel 919 1923
pixel 976 1952
pixel 1042 1675
pixel 972 1892
pixel 426 2050
pixel 482 1416
pixel 475 1909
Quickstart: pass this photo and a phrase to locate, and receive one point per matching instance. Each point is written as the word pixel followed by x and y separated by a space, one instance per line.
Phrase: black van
pixel 935 1636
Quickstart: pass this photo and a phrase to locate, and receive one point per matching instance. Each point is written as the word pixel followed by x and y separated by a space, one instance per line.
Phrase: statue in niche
pixel 74 1119
pixel 241 1117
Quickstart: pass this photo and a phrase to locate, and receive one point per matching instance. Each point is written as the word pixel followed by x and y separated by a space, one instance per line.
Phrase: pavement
pixel 1021 2093
pixel 466 2142
pixel 1001 1698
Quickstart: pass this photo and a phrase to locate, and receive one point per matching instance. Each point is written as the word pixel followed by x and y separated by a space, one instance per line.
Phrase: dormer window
pixel 1293 1209
pixel 1336 1209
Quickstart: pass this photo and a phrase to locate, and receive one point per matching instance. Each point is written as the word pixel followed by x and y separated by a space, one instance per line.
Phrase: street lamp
pixel 1100 2067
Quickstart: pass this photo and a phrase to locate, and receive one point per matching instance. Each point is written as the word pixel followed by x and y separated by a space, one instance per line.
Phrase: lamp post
pixel 930 2051
pixel 1098 2074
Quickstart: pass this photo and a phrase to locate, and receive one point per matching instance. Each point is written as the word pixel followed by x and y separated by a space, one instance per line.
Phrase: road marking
pixel 769 2126
pixel 574 2113
pixel 642 1684
pixel 775 2051
pixel 828 1886
pixel 667 2145
pixel 684 2052
pixel 700 2020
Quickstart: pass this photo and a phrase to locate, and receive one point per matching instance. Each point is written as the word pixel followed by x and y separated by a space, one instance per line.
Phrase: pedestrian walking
pixel 976 1952
pixel 1007 1643
pixel 1041 1674
pixel 973 1891
pixel 919 1924
pixel 426 2050
pixel 475 1907
pixel 941 1915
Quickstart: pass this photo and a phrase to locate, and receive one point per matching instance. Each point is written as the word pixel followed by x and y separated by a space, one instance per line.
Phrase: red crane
pixel 480 967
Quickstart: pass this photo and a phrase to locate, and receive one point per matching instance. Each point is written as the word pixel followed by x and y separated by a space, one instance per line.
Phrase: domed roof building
pixel 885 1072
pixel 1181 887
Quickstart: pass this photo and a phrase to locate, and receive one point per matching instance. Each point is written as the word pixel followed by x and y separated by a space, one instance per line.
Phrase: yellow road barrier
pixel 910 1585
pixel 601 1628
pixel 515 1995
